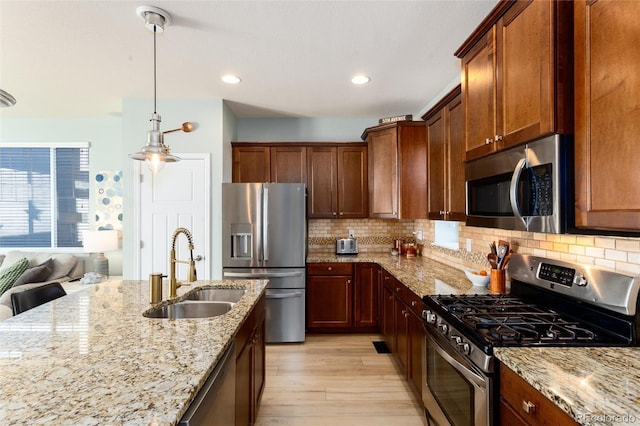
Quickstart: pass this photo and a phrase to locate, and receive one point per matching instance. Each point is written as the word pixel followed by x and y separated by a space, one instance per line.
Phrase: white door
pixel 178 196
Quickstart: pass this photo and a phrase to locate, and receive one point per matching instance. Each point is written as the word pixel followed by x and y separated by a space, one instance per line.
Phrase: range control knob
pixel 429 316
pixel 466 349
pixel 581 281
pixel 444 328
pixel 456 339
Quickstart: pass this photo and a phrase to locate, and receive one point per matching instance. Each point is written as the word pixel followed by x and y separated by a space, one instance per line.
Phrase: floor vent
pixel 381 347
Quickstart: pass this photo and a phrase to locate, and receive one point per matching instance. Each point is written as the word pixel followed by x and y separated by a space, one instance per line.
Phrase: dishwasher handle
pixel 283 295
pixel 255 275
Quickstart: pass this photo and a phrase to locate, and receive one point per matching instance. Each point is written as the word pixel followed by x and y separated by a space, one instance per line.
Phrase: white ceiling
pixel 296 58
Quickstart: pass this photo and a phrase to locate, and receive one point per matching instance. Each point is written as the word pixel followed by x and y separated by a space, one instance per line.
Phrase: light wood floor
pixel 335 380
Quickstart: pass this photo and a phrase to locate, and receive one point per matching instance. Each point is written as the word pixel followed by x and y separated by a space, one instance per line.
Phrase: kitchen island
pixel 91 358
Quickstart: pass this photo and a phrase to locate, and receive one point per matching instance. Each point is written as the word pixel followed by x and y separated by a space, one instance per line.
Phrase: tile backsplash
pixel 621 254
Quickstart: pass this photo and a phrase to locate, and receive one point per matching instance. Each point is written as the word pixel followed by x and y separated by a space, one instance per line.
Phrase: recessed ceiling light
pixel 231 79
pixel 360 79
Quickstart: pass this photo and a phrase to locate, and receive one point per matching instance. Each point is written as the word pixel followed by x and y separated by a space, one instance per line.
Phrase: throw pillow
pixel 10 274
pixel 37 274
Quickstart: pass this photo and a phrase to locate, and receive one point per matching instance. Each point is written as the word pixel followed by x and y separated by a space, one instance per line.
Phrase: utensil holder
pixel 498 281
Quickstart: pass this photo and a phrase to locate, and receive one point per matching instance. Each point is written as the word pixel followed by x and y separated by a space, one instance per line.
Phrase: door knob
pixel 198 258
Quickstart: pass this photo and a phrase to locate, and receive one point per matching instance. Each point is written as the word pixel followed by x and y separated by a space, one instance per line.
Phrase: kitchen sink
pixel 189 309
pixel 217 294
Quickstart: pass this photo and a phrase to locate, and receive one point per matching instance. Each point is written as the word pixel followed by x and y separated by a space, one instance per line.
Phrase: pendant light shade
pixel 155 153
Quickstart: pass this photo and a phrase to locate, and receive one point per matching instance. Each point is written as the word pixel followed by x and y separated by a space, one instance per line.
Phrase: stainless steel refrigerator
pixel 264 235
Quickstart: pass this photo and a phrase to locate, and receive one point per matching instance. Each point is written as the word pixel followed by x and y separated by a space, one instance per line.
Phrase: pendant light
pixel 155 153
pixel 6 100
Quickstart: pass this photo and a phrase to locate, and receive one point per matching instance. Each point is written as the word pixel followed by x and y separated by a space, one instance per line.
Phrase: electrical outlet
pixel 468 244
pixel 419 235
pixel 352 233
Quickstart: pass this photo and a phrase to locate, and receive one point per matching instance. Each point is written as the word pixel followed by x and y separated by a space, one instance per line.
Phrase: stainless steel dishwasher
pixel 285 300
pixel 215 403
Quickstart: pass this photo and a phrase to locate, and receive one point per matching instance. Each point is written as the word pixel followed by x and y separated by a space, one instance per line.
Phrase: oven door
pixel 454 391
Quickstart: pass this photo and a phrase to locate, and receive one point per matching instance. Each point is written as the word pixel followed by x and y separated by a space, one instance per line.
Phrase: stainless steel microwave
pixel 527 188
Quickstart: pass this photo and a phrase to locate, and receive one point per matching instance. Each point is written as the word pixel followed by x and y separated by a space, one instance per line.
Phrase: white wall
pixel 303 129
pixel 207 115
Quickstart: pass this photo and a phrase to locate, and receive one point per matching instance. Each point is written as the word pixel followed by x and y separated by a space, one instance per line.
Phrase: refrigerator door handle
pixel 261 274
pixel 265 225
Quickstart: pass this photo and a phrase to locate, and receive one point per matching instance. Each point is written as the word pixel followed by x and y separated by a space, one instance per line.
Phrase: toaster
pixel 346 246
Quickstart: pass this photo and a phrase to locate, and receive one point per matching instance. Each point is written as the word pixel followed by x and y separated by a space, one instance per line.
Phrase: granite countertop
pixel 91 358
pixel 422 275
pixel 595 386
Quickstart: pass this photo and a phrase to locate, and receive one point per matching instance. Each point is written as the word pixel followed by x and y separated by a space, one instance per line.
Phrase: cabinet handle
pixel 413 303
pixel 442 212
pixel 488 141
pixel 498 138
pixel 528 407
pixel 329 268
pixel 341 213
pixel 348 281
pixel 334 213
pixel 397 288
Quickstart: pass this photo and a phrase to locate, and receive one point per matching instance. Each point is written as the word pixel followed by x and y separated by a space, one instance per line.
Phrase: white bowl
pixel 477 279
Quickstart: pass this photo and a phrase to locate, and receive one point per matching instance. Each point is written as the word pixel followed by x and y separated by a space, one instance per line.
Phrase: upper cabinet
pixel 517 76
pixel 337 182
pixel 397 170
pixel 275 164
pixel 445 144
pixel 335 173
pixel 607 105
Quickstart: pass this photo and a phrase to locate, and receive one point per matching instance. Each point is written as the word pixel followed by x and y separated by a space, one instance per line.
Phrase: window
pixel 44 194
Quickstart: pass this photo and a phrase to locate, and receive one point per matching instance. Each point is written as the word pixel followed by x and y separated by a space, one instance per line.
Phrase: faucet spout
pixel 174 284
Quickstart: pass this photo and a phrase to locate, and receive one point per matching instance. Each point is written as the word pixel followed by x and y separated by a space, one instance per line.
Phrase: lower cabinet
pixel 522 404
pixel 250 365
pixel 403 329
pixel 342 297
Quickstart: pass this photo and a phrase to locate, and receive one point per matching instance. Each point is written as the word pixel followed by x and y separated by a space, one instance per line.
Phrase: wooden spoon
pixel 493 260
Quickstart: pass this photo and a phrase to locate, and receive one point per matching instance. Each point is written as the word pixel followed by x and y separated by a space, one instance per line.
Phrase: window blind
pixel 44 195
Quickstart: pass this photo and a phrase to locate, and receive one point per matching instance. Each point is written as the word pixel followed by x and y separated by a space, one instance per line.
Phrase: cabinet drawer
pixel 329 268
pixel 414 302
pixel 522 397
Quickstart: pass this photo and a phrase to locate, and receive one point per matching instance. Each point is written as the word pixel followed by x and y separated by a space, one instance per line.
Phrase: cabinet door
pixel 402 334
pixel 288 164
pixel 383 178
pixel 456 191
pixel 259 366
pixel 412 170
pixel 416 356
pixel 353 196
pixel 365 295
pixel 244 366
pixel 322 183
pixel 329 302
pixel 388 315
pixel 525 81
pixel 251 164
pixel 607 89
pixel 437 166
pixel 478 96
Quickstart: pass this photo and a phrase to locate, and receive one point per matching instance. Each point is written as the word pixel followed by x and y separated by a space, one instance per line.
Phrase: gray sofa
pixel 43 268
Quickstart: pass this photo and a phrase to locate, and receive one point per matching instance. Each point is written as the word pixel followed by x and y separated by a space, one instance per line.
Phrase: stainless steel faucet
pixel 173 283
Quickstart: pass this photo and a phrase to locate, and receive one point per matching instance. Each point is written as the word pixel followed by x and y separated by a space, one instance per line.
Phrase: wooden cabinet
pixel 517 76
pixel 402 328
pixel 522 404
pixel 365 297
pixel 342 297
pixel 276 164
pixel 397 170
pixel 251 164
pixel 250 365
pixel 337 182
pixel 446 154
pixel 607 89
pixel 336 174
pixel 329 296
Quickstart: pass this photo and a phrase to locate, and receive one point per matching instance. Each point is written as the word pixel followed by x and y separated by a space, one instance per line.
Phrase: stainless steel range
pixel 551 303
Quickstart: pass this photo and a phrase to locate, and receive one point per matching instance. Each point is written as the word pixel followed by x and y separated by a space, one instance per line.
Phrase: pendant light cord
pixel 154 70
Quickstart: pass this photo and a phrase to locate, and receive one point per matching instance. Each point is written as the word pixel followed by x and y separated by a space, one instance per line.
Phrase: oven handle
pixel 477 380
pixel 513 190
